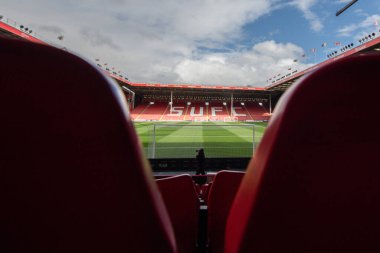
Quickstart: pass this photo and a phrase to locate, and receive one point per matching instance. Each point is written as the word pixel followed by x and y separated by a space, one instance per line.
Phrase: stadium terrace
pixel 92 162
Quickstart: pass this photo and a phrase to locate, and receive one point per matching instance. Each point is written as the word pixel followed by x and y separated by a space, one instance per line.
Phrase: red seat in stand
pixel 182 202
pixel 221 195
pixel 72 176
pixel 314 183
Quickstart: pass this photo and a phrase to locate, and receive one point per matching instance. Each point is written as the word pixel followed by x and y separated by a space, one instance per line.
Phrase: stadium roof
pixel 196 86
pixel 284 82
pixel 281 84
pixel 9 30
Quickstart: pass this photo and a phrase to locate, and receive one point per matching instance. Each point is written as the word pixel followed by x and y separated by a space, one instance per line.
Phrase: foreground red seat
pixel 221 195
pixel 314 183
pixel 182 203
pixel 71 173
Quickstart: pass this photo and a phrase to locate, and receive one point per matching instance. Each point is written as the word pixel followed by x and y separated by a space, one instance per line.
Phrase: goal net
pixel 200 119
pixel 230 119
pixel 217 140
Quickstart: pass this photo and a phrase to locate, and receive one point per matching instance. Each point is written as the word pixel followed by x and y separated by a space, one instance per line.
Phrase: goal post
pixel 218 140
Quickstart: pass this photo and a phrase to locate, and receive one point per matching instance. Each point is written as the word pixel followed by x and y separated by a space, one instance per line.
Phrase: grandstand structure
pixel 75 180
pixel 202 104
pixel 196 102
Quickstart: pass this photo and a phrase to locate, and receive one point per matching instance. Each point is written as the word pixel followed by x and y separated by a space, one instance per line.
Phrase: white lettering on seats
pixel 234 113
pixel 176 111
pixel 215 109
pixel 193 114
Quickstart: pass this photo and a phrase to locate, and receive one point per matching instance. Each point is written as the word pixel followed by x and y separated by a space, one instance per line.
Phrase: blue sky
pixel 287 24
pixel 216 42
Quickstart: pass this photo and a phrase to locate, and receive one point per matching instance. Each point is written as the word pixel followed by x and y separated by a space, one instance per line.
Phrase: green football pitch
pixel 182 139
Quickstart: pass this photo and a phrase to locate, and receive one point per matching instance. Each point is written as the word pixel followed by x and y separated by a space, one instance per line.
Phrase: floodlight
pixel 242 103
pixel 170 103
pixel 151 103
pixel 261 104
pixel 224 103
pixel 188 103
pixel 207 103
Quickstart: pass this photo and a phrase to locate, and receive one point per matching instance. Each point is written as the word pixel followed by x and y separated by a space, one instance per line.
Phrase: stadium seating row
pixel 183 199
pixel 205 98
pixel 73 178
pixel 214 111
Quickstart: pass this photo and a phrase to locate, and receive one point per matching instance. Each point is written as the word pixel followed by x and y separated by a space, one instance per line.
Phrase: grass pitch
pixel 182 139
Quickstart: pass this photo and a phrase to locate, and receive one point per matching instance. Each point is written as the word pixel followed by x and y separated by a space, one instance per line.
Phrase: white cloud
pixel 253 66
pixel 366 25
pixel 305 6
pixel 160 41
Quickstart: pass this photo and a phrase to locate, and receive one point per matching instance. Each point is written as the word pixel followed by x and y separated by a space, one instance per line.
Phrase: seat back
pixel 220 198
pixel 72 174
pixel 182 203
pixel 314 183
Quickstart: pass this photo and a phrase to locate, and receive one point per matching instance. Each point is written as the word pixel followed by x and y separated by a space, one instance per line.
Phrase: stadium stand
pixel 256 112
pixel 72 177
pixel 150 112
pixel 176 114
pixel 198 111
pixel 313 185
pixel 182 203
pixel 218 111
pixel 135 113
pixel 221 196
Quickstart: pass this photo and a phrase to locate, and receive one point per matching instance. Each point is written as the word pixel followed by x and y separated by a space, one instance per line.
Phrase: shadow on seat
pixel 314 183
pixel 72 174
pixel 221 195
pixel 182 203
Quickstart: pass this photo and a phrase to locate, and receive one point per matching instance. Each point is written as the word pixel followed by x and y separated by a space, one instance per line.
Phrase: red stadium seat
pixel 182 203
pixel 314 184
pixel 221 195
pixel 71 173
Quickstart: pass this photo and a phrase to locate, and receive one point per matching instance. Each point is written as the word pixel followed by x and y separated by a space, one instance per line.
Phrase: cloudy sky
pixel 216 42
